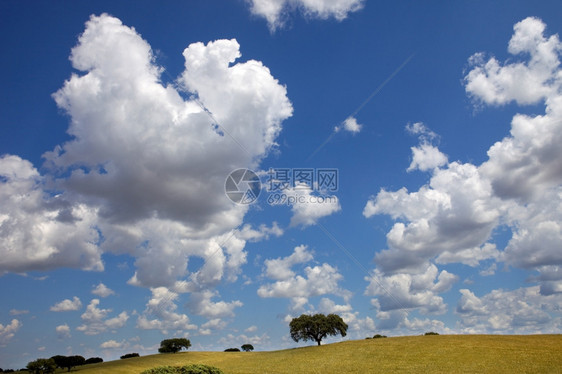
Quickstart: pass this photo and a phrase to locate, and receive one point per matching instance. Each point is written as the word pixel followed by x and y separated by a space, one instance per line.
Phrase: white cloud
pixel 63 331
pixel 95 322
pixel 67 305
pixel 403 291
pixel 200 303
pixel 519 188
pixel 212 325
pixel 16 312
pixel 424 133
pixel 280 268
pixel 102 290
pixel 318 280
pixel 39 232
pixel 133 171
pixel 8 331
pixel 456 212
pixel 521 311
pixel 112 344
pixel 309 206
pixel 350 124
pixel 525 83
pixel 275 11
pixel 162 309
pixel 426 157
pixel 252 328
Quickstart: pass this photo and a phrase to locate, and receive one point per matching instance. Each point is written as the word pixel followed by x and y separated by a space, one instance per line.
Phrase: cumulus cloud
pixel 102 290
pixel 350 124
pixel 67 305
pixel 8 331
pixel 521 311
pixel 276 11
pixel 134 171
pixel 112 344
pixel 95 321
pixel 524 82
pixel 309 206
pixel 63 331
pixel 38 232
pixel 456 212
pixel 318 280
pixel 426 157
pixel 161 313
pixel 403 291
pixel 519 187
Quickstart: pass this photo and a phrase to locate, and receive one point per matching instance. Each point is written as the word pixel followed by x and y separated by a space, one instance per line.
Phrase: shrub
pixel 232 350
pixel 130 355
pixel 378 336
pixel 94 360
pixel 189 369
pixel 431 333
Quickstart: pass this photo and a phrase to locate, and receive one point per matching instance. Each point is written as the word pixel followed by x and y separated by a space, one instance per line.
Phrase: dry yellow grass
pixel 414 354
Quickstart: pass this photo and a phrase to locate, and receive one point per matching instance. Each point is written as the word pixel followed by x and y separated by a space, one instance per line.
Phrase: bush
pixel 130 355
pixel 94 360
pixel 378 336
pixel 431 333
pixel 232 350
pixel 189 369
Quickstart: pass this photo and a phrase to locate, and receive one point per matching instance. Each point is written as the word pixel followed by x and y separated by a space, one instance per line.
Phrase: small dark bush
pixel 232 350
pixel 94 360
pixel 130 355
pixel 189 369
pixel 431 333
pixel 378 336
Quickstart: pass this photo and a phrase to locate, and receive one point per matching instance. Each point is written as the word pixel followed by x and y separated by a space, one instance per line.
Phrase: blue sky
pixel 119 125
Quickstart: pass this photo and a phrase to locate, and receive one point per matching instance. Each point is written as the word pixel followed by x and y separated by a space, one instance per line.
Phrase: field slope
pixel 414 354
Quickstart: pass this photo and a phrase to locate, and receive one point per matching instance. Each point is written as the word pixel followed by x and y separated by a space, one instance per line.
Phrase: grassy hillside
pixel 415 354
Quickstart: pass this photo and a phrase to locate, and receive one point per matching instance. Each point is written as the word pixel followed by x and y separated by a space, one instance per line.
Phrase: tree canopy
pixel 174 345
pixel 317 327
pixel 247 347
pixel 42 366
pixel 68 362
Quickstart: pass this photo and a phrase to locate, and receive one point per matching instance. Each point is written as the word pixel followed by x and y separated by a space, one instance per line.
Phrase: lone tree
pixel 174 345
pixel 42 366
pixel 247 347
pixel 317 327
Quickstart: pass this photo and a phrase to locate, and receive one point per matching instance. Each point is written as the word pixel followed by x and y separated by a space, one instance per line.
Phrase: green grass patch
pixel 412 354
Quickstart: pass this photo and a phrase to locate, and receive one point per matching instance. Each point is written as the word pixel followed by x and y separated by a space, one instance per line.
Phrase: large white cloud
pixel 521 311
pixel 39 231
pixel 275 11
pixel 519 187
pixel 143 172
pixel 403 291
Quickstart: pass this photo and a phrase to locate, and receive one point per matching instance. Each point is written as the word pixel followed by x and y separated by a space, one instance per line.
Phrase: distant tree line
pixel 50 365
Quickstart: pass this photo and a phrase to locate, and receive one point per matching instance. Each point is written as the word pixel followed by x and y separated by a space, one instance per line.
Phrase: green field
pixel 414 354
